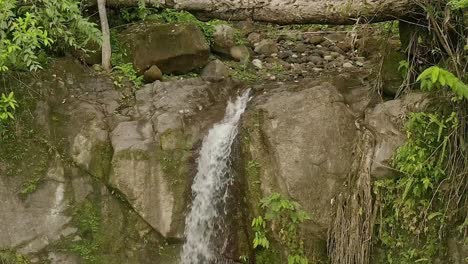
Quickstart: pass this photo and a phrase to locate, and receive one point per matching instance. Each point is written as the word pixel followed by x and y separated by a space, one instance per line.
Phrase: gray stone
pixel 254 37
pixel 215 71
pixel 223 39
pixel 266 47
pixel 317 60
pixel 257 63
pixel 348 65
pixel 298 133
pixel 313 39
pixel 285 54
pixel 386 120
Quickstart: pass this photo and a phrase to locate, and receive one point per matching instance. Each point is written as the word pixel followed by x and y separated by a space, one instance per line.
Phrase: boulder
pixel 223 39
pixel 215 71
pixel 153 150
pixel 300 138
pixel 174 48
pixel 153 74
pixel 42 204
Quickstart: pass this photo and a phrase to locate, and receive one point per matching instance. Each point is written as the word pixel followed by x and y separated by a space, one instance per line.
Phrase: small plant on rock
pixel 7 105
pixel 284 216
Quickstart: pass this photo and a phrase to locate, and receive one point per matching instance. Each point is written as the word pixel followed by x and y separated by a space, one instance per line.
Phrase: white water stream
pixel 209 184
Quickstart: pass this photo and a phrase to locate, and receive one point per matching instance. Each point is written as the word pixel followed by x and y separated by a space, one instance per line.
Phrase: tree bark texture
pixel 106 45
pixel 288 11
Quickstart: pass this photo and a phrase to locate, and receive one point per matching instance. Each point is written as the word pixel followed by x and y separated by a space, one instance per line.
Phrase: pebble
pixel 257 63
pixel 347 65
pixel 359 63
pixel 328 57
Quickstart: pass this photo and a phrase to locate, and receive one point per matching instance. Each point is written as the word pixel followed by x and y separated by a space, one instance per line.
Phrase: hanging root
pixel 350 236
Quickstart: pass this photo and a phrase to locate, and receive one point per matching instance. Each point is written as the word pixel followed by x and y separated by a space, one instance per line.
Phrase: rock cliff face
pixel 117 171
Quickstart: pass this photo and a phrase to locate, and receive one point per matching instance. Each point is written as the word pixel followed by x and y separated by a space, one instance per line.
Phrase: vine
pixel 412 220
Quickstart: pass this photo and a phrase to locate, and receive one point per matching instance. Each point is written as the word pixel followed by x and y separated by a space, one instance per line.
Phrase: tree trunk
pixel 289 11
pixel 106 46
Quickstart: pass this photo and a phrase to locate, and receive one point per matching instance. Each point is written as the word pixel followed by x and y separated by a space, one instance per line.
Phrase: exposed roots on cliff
pixel 350 234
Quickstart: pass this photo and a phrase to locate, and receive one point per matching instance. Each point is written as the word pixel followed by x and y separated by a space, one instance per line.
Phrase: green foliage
pixel 244 259
pixel 436 78
pixel 122 71
pixel 412 220
pixel 87 219
pixel 12 257
pixel 259 228
pixel 126 71
pixel 286 216
pixel 29 29
pixel 403 68
pixel 30 186
pixel 137 13
pixel 458 4
pixel 7 105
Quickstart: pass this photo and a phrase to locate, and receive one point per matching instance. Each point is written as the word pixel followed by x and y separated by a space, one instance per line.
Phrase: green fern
pixel 436 78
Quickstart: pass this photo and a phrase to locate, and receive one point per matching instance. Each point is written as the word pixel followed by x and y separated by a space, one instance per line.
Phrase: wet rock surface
pixel 131 153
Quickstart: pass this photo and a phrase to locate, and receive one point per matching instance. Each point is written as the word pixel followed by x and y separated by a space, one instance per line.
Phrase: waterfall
pixel 210 183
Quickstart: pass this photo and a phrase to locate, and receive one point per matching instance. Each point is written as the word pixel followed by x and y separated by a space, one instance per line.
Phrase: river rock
pixel 223 39
pixel 313 39
pixel 215 71
pixel 174 48
pixel 254 37
pixel 266 47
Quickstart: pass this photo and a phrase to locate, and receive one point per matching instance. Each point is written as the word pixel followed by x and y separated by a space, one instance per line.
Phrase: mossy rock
pixel 174 48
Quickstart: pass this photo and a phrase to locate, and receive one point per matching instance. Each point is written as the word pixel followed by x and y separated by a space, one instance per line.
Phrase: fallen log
pixel 288 11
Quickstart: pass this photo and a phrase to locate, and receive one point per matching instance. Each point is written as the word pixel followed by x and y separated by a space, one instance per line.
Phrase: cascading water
pixel 210 183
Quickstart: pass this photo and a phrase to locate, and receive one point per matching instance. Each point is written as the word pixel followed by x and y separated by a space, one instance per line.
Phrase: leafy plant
pixel 286 216
pixel 436 78
pixel 122 71
pixel 29 29
pixel 403 67
pixel 7 105
pixel 458 4
pixel 411 220
pixel 137 13
pixel 125 71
